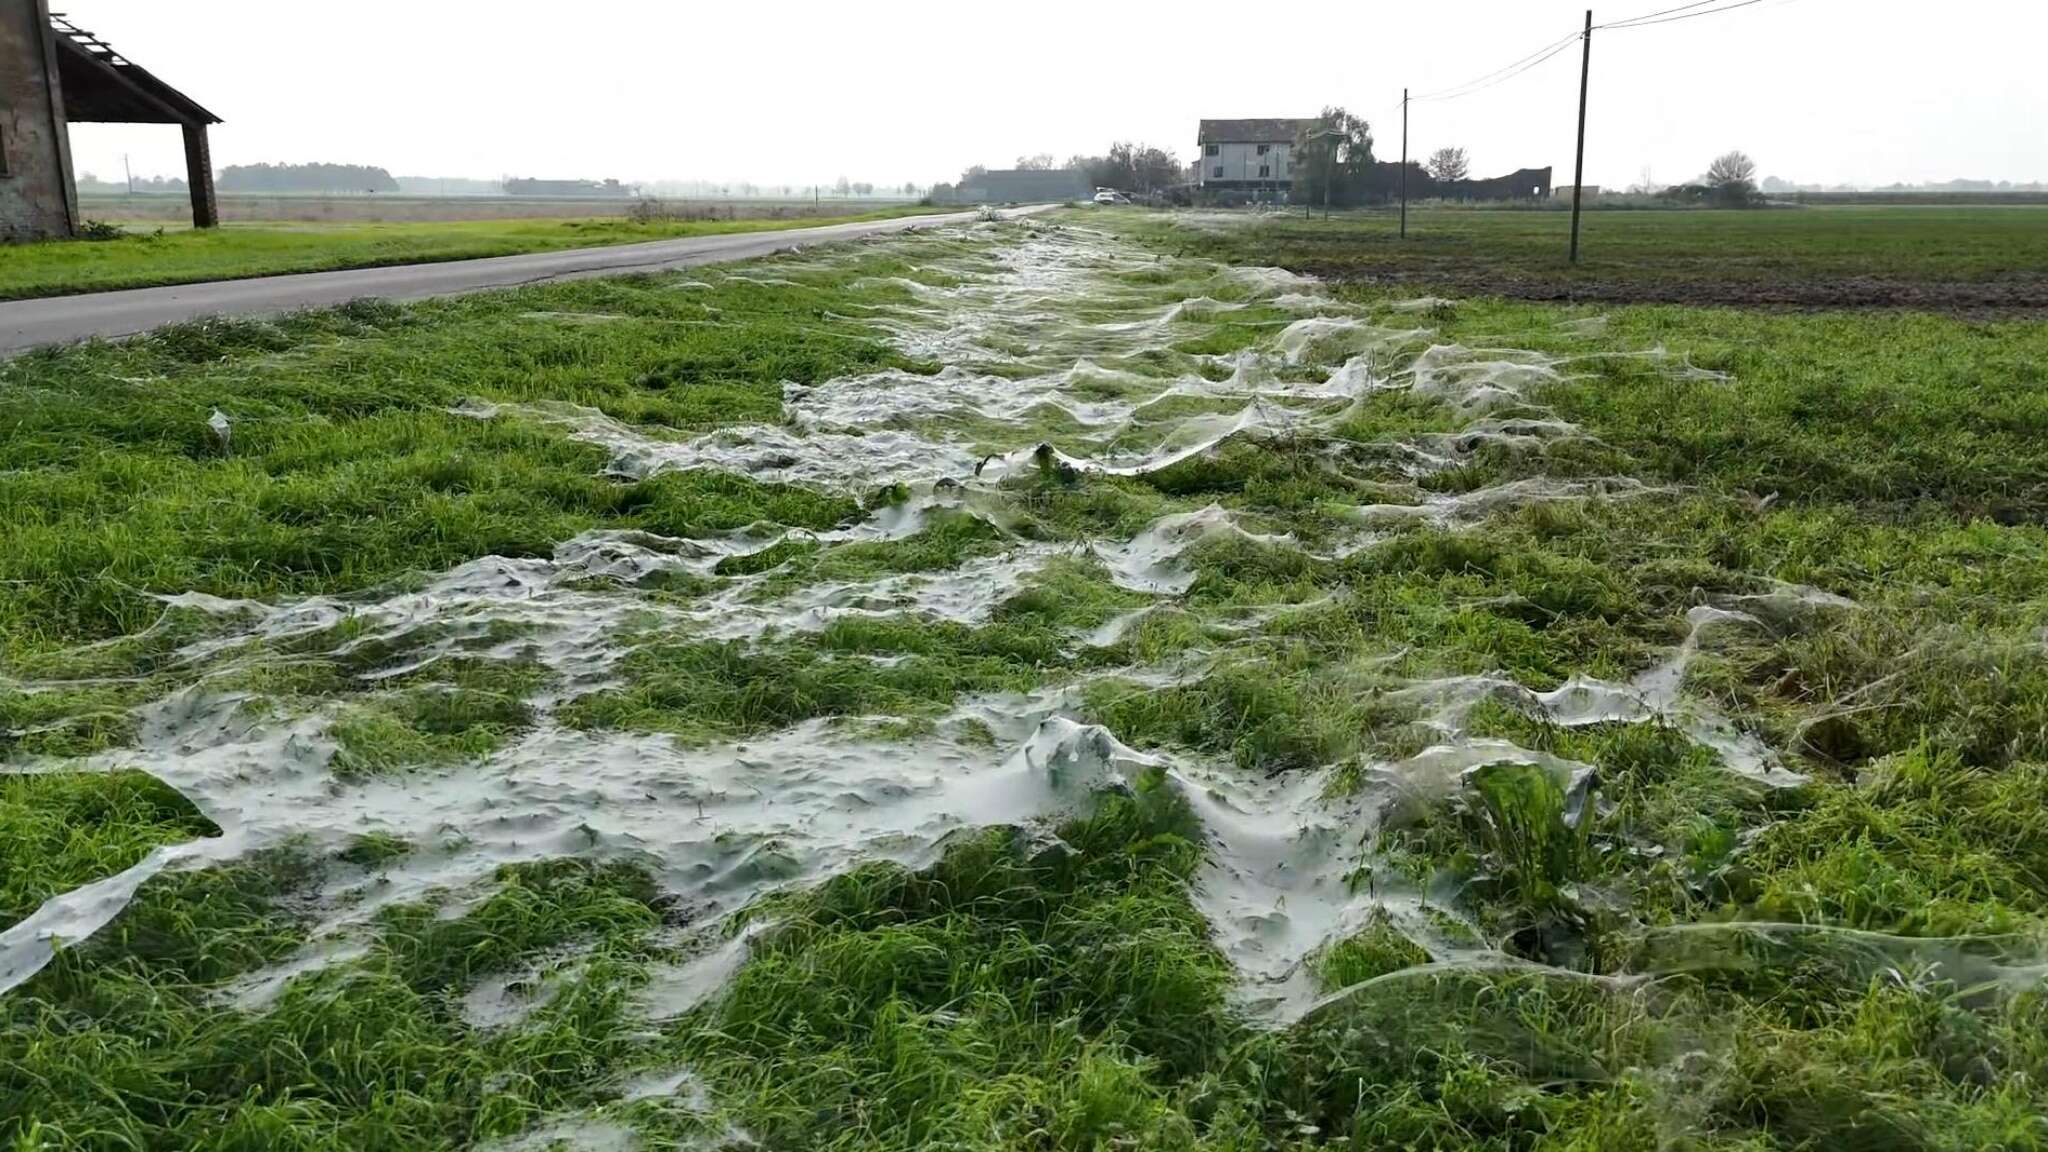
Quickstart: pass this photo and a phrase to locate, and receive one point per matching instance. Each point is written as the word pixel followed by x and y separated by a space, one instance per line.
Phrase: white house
pixel 1253 157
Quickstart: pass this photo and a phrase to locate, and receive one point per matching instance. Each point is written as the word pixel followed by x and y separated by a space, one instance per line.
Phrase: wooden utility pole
pixel 1404 163
pixel 1579 167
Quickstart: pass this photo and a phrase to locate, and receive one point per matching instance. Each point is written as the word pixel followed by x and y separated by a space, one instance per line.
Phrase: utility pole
pixel 1404 163
pixel 1329 168
pixel 1579 167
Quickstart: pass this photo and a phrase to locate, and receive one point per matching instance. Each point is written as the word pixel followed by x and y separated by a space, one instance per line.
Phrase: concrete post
pixel 60 131
pixel 36 195
pixel 199 177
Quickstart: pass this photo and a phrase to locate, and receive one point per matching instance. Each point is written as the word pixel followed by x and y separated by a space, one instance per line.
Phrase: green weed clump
pixel 373 1052
pixel 60 830
pixel 710 690
pixel 1013 993
pixel 1926 845
pixel 423 727
pixel 1374 951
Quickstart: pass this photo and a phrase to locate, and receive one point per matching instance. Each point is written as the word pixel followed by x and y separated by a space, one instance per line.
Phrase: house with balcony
pixel 1252 159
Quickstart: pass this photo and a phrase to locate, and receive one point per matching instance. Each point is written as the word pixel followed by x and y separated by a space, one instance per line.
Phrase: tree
pixel 1732 176
pixel 1448 164
pixel 1156 168
pixel 1334 153
pixel 305 178
pixel 1039 163
pixel 844 187
pixel 1139 168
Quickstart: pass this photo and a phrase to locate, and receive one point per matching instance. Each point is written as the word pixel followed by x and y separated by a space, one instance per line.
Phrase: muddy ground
pixel 2022 295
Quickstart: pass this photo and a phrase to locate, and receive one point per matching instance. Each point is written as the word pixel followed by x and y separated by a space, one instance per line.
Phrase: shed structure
pixel 54 74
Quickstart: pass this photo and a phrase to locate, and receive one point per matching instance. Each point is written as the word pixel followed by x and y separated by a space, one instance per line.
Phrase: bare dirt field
pixel 1972 260
pixel 2018 294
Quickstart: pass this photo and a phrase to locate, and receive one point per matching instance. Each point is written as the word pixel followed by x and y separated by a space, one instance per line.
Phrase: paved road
pixel 26 324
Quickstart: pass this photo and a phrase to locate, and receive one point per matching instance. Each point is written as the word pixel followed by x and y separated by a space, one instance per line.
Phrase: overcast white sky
pixel 790 91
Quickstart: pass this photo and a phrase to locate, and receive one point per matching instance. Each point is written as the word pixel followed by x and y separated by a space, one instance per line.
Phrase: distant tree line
pixel 92 185
pixel 1730 181
pixel 304 178
pixel 1127 167
pixel 1776 184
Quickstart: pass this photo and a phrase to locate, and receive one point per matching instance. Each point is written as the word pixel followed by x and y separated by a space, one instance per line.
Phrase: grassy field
pixel 1971 258
pixel 157 209
pixel 1382 723
pixel 143 258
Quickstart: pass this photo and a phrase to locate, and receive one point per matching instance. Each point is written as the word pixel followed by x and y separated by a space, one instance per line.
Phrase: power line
pixel 1499 75
pixel 1446 93
pixel 1645 22
pixel 1567 42
pixel 1515 68
pixel 1653 15
pixel 1506 72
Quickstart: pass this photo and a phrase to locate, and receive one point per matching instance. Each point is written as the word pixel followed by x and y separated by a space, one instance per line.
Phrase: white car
pixel 1110 196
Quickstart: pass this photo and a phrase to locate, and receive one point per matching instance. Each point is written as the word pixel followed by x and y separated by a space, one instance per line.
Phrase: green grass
pixel 346 467
pixel 145 258
pixel 1059 987
pixel 426 726
pixel 379 1057
pixel 66 829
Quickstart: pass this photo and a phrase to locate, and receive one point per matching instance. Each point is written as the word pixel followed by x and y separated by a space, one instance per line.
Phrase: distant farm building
pixel 1522 184
pixel 54 74
pixel 1248 158
pixel 1024 186
pixel 1564 191
pixel 569 189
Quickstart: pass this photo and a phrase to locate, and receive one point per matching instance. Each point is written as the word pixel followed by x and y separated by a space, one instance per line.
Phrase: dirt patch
pixel 2023 296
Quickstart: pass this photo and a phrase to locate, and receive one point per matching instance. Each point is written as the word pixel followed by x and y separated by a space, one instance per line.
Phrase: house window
pixel 1213 150
pixel 1265 148
pixel 1218 173
pixel 1265 171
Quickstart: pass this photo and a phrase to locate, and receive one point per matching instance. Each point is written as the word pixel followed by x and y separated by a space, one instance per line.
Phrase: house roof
pixel 1280 131
pixel 103 87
